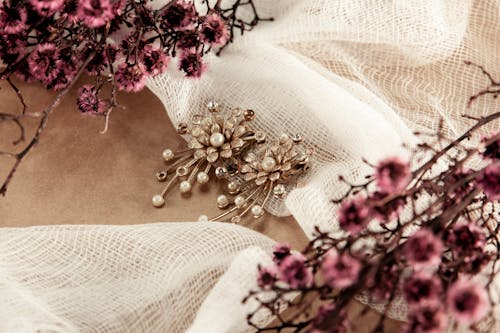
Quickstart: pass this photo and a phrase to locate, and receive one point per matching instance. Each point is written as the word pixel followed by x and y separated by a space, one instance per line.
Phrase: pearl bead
pixel 168 155
pixel 222 201
pixel 239 201
pixel 202 177
pixel 203 218
pixel 158 200
pixel 217 139
pixel 232 187
pixel 257 211
pixel 184 186
pixel 268 164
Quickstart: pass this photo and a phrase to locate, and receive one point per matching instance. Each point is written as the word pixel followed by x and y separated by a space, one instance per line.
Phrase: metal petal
pixel 212 157
pixel 261 180
pixel 246 168
pixel 250 176
pixel 194 144
pixel 237 143
pixel 226 153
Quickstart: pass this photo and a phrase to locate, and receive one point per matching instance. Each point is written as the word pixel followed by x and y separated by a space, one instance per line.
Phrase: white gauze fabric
pixel 354 77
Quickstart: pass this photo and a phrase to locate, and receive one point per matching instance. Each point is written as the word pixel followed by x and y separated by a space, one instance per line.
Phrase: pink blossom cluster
pixel 50 40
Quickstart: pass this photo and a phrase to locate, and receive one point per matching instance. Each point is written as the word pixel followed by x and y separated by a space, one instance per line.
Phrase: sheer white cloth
pixel 354 77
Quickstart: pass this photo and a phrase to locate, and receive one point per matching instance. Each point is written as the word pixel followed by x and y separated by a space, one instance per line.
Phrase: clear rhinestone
pixel 220 172
pixel 297 138
pixel 279 191
pixel 197 118
pixel 260 136
pixel 213 106
pixel 199 154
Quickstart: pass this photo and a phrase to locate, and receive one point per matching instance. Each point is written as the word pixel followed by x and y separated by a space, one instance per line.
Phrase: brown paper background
pixel 76 175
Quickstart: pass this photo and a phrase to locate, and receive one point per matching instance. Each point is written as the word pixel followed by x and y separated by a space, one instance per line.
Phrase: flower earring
pixel 224 144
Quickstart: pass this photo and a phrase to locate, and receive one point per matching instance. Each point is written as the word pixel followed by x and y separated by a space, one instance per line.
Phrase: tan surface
pixel 78 176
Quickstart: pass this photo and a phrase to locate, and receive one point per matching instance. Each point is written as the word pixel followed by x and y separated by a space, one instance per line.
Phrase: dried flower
pixel 340 270
pixel 423 249
pixel 47 7
pixel 88 102
pixel 467 302
pixel 12 18
pixel 386 211
pixel 354 215
pixel 179 14
pixel 95 13
pixel 130 77
pixel 392 174
pixel 492 149
pixel 280 252
pixel 294 271
pixel 44 62
pixel 489 181
pixel 213 30
pixel 422 287
pixel 324 321
pixel 154 60
pixel 428 317
pixel 190 63
pixel 267 276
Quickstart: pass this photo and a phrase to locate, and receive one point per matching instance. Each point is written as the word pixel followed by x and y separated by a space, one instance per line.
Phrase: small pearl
pixel 268 164
pixel 217 139
pixel 239 201
pixel 203 218
pixel 168 155
pixel 257 211
pixel 202 177
pixel 232 187
pixel 158 200
pixel 185 186
pixel 222 201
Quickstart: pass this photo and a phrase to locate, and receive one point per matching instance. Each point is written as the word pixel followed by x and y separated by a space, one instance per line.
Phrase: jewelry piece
pixel 215 141
pixel 253 168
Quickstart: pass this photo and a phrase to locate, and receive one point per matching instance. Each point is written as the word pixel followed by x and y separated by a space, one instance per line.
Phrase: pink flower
pixel 95 13
pixel 467 302
pixel 489 181
pixel 188 39
pixel 130 77
pixel 492 149
pixel 392 174
pixel 280 252
pixel 12 19
pixel 326 321
pixel 88 102
pixel 47 7
pixel 354 215
pixel 422 287
pixel 213 30
pixel 423 249
pixel 386 211
pixel 340 270
pixel 465 239
pixel 385 280
pixel 44 62
pixel 294 271
pixel 427 317
pixel 267 276
pixel 179 14
pixel 190 62
pixel 100 60
pixel 154 60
